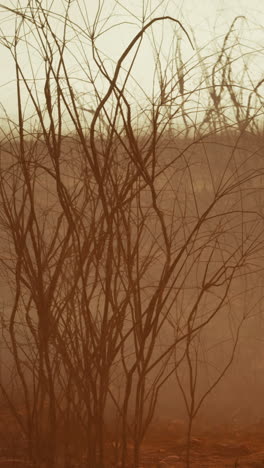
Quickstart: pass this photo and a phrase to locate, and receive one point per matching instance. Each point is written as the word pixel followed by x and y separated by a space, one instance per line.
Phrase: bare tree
pixel 121 247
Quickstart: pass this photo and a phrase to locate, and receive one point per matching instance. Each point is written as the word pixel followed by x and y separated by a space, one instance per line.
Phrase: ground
pixel 219 447
pixel 216 448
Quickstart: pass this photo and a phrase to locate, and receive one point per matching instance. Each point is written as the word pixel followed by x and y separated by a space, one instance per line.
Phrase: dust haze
pixel 132 235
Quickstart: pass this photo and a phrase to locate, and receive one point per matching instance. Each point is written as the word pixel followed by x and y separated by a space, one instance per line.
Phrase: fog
pixel 132 235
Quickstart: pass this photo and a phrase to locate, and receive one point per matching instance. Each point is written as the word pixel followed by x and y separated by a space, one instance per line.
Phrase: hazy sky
pixel 209 20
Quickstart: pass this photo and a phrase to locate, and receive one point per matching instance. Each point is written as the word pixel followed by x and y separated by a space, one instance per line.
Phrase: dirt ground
pixel 217 448
pixel 165 447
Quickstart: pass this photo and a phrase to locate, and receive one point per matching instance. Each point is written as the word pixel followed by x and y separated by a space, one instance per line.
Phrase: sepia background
pixel 132 235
